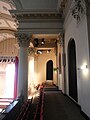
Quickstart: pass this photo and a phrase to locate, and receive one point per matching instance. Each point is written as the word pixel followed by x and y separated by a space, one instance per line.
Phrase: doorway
pixel 72 73
pixel 49 70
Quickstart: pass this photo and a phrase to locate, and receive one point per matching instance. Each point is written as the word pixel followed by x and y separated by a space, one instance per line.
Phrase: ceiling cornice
pixel 32 14
pixel 39 16
pixel 33 11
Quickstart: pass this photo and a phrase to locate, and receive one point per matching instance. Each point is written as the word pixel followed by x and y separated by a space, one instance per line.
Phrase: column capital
pixel 31 51
pixel 60 39
pixel 23 39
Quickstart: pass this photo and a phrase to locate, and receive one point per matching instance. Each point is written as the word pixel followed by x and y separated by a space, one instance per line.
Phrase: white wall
pixel 40 67
pixel 31 77
pixel 79 33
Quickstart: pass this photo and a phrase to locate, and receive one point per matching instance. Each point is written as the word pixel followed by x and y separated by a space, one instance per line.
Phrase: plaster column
pixel 63 61
pixel 23 41
pixel 57 62
pixel 63 66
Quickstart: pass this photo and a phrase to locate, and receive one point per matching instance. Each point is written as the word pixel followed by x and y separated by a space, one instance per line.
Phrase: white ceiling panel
pixel 39 4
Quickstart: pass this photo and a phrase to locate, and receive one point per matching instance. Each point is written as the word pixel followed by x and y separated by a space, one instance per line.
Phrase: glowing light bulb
pixel 83 66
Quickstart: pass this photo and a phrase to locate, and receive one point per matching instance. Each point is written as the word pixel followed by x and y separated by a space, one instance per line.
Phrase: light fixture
pixel 83 67
pixel 39 52
pixel 43 41
pixel 84 70
pixel 48 51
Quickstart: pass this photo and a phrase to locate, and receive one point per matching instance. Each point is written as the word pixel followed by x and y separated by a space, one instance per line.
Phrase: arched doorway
pixel 72 73
pixel 49 70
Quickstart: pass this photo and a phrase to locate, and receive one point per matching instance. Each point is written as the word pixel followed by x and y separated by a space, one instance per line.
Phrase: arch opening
pixel 72 73
pixel 49 70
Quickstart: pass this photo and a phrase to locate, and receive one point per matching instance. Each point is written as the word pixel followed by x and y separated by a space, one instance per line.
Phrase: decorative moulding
pixel 78 10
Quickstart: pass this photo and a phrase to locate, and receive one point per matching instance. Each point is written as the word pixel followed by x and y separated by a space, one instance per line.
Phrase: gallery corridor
pixel 59 107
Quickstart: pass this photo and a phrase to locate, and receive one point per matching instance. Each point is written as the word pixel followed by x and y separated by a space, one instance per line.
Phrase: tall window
pixel 9 82
pixel 7 79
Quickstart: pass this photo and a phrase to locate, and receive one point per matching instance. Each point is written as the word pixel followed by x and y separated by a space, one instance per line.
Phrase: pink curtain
pixel 16 77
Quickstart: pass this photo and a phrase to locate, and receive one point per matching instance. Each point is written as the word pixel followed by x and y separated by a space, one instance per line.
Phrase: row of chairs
pixel 42 106
pixel 39 109
pixel 33 109
pixel 24 110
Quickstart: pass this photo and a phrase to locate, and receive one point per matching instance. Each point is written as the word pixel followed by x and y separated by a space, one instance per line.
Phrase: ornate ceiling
pixel 37 9
pixel 7 23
